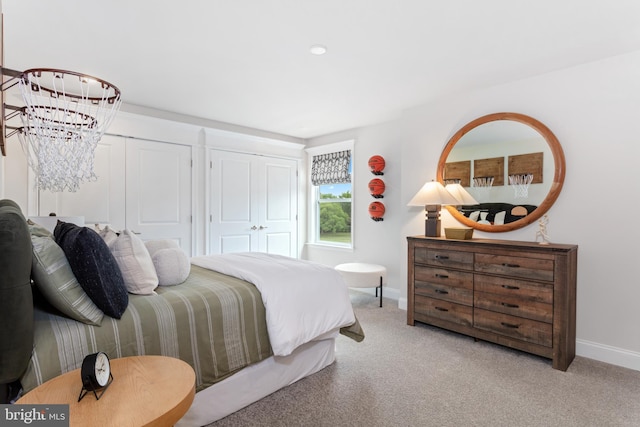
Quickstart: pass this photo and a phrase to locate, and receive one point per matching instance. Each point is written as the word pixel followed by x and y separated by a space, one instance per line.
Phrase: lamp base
pixel 432 223
pixel 432 228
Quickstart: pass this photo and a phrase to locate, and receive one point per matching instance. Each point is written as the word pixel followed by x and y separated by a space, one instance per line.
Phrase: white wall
pixel 594 110
pixel 373 241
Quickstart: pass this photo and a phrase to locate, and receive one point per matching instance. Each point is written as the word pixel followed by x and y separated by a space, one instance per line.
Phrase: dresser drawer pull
pixel 509 325
pixel 510 287
pixel 440 291
pixel 506 304
pixel 442 276
pixel 506 264
pixel 441 309
pixel 441 257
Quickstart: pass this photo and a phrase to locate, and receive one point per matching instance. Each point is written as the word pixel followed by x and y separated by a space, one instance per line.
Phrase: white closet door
pixel 159 191
pixel 101 201
pixel 253 204
pixel 277 225
pixel 233 212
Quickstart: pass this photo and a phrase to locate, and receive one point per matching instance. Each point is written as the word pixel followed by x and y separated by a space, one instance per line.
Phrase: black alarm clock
pixel 95 374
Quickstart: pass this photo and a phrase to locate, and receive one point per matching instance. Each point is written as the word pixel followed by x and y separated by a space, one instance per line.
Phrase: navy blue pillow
pixel 94 266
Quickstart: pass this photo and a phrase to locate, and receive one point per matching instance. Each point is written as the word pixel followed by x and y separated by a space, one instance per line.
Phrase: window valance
pixel 331 168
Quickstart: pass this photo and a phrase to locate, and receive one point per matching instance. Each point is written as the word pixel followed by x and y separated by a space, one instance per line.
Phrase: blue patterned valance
pixel 331 168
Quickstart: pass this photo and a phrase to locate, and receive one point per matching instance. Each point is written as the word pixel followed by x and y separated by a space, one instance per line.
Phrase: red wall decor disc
pixel 376 187
pixel 376 210
pixel 376 164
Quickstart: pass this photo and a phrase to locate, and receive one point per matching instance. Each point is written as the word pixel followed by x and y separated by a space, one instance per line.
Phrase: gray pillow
pixel 54 278
pixel 170 261
pixel 94 266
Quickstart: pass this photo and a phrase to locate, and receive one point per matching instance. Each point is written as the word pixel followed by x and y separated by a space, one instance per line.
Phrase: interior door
pixel 253 204
pixel 277 217
pixel 159 191
pixel 233 212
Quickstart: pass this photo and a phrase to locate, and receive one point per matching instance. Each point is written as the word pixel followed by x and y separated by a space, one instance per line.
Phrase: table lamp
pixel 461 194
pixel 432 195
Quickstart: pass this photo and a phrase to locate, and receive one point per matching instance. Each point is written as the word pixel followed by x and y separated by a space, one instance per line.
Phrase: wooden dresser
pixel 518 294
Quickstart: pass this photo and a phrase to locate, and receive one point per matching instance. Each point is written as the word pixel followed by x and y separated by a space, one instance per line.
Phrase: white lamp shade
pixel 463 196
pixel 433 193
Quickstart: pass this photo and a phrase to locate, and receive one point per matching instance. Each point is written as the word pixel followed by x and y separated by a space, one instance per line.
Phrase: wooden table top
pixel 146 391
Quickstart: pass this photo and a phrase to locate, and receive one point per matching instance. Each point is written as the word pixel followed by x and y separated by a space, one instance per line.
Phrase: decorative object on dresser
pixel 460 233
pixel 432 195
pixel 518 294
pixel 542 230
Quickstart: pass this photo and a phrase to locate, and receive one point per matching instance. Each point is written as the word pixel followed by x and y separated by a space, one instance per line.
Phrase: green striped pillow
pixel 52 275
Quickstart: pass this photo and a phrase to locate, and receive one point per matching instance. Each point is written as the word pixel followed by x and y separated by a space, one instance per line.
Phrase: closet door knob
pixel 254 228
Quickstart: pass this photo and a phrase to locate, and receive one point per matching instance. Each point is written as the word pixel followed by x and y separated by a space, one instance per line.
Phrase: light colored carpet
pixel 424 376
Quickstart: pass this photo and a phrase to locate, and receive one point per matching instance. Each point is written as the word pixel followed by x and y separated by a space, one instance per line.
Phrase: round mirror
pixel 512 166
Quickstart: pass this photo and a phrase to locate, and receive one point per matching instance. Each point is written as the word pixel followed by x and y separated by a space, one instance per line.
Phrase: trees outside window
pixel 334 215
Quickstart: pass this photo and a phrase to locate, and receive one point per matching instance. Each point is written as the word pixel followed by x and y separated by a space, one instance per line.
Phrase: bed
pixel 249 324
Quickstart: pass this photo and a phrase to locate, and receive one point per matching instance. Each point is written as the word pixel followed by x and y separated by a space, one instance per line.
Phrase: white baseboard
pixel 592 350
pixel 390 293
pixel 608 354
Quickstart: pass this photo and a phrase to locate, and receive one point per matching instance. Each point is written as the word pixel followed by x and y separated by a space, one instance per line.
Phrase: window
pixel 331 197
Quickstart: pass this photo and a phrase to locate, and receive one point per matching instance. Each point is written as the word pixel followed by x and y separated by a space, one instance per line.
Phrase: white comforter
pixel 303 299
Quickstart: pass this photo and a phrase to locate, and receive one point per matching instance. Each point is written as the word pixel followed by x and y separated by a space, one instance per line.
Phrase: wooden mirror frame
pixel 556 185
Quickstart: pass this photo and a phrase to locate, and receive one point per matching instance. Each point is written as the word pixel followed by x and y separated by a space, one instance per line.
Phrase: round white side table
pixel 362 275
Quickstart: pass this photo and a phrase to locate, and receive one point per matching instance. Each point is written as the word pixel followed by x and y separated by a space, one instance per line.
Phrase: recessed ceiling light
pixel 318 49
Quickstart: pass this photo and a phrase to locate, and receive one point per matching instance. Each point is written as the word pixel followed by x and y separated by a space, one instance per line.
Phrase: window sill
pixel 329 246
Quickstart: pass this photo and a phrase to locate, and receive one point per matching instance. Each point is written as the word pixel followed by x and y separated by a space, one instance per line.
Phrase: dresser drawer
pixel 515 327
pixel 455 294
pixel 444 276
pixel 514 305
pixel 444 258
pixel 444 310
pixel 526 290
pixel 526 267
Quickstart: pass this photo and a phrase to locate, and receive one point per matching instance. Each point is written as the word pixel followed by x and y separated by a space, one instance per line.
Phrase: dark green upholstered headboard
pixel 16 302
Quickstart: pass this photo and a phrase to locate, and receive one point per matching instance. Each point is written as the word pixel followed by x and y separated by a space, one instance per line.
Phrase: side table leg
pixel 380 291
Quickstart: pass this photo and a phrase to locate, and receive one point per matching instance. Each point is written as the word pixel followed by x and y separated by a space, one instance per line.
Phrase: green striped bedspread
pixel 214 322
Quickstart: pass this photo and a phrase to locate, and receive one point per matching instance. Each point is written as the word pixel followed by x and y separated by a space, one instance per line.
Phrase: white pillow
pixel 171 262
pixel 155 245
pixel 473 216
pixel 108 235
pixel 498 219
pixel 172 266
pixel 135 263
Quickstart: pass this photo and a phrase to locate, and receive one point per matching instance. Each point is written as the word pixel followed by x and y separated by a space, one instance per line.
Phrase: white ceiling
pixel 247 62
